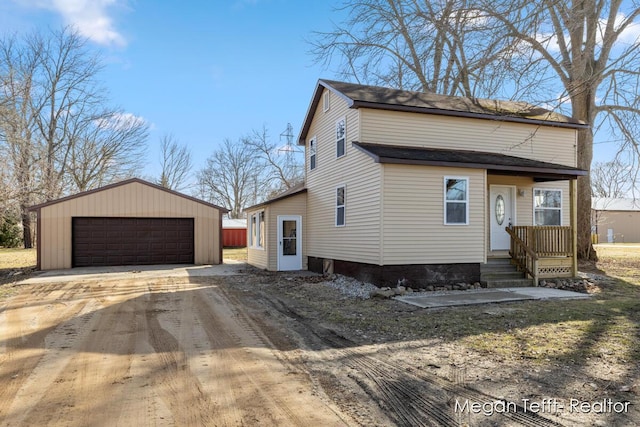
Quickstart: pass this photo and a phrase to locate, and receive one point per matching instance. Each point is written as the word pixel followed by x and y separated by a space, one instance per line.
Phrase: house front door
pixel 289 242
pixel 502 215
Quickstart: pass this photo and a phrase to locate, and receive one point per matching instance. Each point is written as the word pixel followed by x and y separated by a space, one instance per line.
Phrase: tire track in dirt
pixel 179 389
pixel 75 369
pixel 24 353
pixel 145 352
pixel 268 390
pixel 225 335
pixel 411 399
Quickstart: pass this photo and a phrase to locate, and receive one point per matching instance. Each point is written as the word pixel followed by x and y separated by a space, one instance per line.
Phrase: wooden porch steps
pixel 500 273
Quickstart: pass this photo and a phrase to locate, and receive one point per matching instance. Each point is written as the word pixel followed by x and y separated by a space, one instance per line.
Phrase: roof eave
pixel 315 101
pixel 542 172
pixel 276 199
pixel 119 184
pixel 466 114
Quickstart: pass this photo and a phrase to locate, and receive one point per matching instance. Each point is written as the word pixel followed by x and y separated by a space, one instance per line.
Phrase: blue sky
pixel 201 71
pixel 204 72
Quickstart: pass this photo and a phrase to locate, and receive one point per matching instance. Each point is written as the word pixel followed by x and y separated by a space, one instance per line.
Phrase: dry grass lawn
pixel 238 254
pixel 16 258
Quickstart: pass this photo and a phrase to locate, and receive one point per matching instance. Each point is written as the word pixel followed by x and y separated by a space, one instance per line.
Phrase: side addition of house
pixel 425 188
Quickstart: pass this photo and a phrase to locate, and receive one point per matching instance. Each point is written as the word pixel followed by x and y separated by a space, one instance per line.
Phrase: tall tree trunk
pixel 583 105
pixel 26 226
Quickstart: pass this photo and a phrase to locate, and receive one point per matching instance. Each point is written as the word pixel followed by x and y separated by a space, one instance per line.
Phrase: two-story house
pixel 423 187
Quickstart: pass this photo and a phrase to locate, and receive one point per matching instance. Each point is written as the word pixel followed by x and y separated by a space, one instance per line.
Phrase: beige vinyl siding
pixel 294 205
pixel 267 257
pixel 130 200
pixel 359 239
pixel 414 229
pixel 543 143
pixel 258 256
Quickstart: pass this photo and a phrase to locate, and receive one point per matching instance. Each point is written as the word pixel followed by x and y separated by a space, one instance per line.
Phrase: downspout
pixel 573 193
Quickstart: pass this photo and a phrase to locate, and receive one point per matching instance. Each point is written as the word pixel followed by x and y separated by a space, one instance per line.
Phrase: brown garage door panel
pixel 132 241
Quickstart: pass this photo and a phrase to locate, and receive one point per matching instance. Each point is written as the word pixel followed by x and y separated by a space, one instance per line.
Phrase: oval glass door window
pixel 500 209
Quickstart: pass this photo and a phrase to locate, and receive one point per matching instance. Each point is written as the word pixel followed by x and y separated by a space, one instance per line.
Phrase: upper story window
pixel 456 201
pixel 341 136
pixel 312 153
pixel 547 207
pixel 326 101
pixel 341 203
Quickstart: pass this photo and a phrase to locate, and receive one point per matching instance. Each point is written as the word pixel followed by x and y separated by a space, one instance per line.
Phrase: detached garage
pixel 132 222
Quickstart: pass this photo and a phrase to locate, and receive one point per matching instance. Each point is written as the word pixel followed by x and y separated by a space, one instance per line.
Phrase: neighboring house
pixel 616 220
pixel 234 233
pixel 422 187
pixel 131 222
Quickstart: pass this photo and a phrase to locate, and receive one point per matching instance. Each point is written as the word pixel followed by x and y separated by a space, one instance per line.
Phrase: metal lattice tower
pixel 290 151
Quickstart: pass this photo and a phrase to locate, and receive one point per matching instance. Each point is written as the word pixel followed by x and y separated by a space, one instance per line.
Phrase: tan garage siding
pixel 543 143
pixel 625 225
pixel 359 239
pixel 131 199
pixel 414 230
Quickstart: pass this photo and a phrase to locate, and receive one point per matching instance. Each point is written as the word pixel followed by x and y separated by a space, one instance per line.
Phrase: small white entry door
pixel 502 214
pixel 289 242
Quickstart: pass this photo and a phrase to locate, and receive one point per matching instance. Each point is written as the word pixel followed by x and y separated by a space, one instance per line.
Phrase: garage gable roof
pixel 120 184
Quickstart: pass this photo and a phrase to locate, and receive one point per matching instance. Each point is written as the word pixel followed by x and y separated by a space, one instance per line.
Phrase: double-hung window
pixel 341 202
pixel 547 207
pixel 312 153
pixel 456 201
pixel 341 137
pixel 256 230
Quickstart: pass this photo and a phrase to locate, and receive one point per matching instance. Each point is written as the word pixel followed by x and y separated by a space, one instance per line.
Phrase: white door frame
pixel 289 262
pixel 508 219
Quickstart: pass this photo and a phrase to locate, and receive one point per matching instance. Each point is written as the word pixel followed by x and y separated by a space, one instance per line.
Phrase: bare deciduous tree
pixel 611 179
pixel 447 47
pixel 106 148
pixel 232 177
pixel 175 160
pixel 547 52
pixel 18 67
pixel 52 120
pixel 283 169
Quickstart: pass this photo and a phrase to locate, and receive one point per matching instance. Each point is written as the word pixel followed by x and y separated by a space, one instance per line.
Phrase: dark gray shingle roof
pixel 496 163
pixel 376 97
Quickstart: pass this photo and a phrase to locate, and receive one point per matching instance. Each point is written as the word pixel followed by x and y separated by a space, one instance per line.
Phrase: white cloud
pixel 120 121
pixel 630 35
pixel 90 17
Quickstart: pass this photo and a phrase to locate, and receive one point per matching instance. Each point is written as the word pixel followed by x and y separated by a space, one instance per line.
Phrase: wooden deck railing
pixel 546 241
pixel 542 251
pixel 523 256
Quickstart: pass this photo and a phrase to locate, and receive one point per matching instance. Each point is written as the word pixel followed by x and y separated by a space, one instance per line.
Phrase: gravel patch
pixel 350 287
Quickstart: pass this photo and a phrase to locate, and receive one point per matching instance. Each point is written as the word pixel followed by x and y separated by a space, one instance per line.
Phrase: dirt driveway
pixel 142 349
pixel 237 346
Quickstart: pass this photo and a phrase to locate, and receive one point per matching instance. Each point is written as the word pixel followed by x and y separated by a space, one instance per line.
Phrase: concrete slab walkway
pixel 229 268
pixel 486 296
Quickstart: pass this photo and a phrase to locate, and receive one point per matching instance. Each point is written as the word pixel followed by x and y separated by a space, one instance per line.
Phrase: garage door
pixel 131 241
